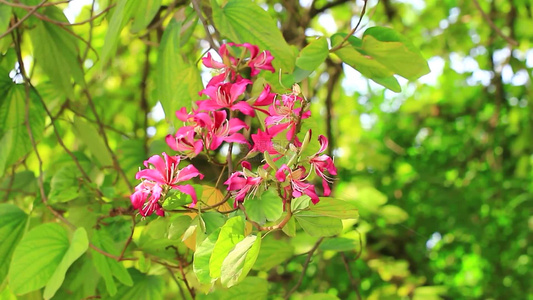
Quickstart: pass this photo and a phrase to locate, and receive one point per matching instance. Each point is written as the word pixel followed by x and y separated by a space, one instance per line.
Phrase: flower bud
pixel 269 161
pixel 306 140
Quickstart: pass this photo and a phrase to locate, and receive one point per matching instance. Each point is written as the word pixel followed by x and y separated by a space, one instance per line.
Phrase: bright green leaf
pixel 78 246
pixel 93 140
pixel 145 11
pixel 336 208
pixel 273 252
pixel 267 207
pixel 57 52
pixel 321 296
pixel 106 266
pixel 313 55
pixel 5 17
pixel 243 21
pixel 146 287
pixel 394 51
pixel 123 12
pixel 12 223
pixel 14 136
pixel 240 260
pixel 339 244
pixel 365 64
pixel 36 257
pixel 250 288
pixel 177 226
pixel 290 228
pixel 317 225
pixel 231 233
pixel 177 82
pixel 202 256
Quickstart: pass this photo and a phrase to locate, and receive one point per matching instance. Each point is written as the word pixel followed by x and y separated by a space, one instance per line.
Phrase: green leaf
pixel 313 55
pixel 267 207
pixel 12 224
pixel 177 226
pixel 273 252
pixel 146 287
pixel 381 53
pixel 243 21
pixel 250 288
pixel 90 136
pixel 64 185
pixel 317 225
pixel 395 52
pixel 300 203
pixel 177 82
pixel 212 221
pixel 339 244
pixel 365 64
pixel 290 228
pixel 336 208
pixel 240 260
pixel 231 233
pixel 5 17
pixel 56 51
pixel 14 136
pixel 78 246
pixel 106 266
pixel 144 14
pixel 202 256
pixel 36 257
pixel 123 12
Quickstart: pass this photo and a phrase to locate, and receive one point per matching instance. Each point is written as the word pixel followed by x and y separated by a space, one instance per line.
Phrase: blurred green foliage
pixel 441 172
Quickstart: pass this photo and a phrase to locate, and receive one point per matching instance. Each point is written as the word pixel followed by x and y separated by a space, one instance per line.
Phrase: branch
pixel 16 25
pixel 106 141
pixel 24 6
pixel 493 26
pixel 351 32
pixel 198 10
pixel 305 266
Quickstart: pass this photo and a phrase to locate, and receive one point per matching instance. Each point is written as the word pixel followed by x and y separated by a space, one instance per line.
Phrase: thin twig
pixel 493 26
pixel 16 25
pixel 198 10
pixel 350 275
pixel 176 281
pixel 89 40
pixel 351 32
pixel 144 96
pixel 305 266
pixel 106 141
pixel 24 6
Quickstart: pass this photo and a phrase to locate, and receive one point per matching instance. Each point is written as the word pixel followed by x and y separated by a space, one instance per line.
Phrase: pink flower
pixel 242 186
pixel 283 115
pixel 216 128
pixel 225 95
pixel 296 178
pixel 167 174
pixel 185 142
pixel 263 142
pixel 146 199
pixel 256 61
pixel 320 163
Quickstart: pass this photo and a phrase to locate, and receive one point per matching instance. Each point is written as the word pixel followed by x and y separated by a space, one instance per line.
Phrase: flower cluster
pixel 156 182
pixel 218 118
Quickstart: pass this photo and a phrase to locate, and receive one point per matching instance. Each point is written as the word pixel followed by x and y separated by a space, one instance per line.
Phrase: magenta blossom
pixel 146 198
pixel 320 163
pixel 296 178
pixel 167 174
pixel 225 95
pixel 184 141
pixel 283 116
pixel 242 186
pixel 229 66
pixel 216 128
